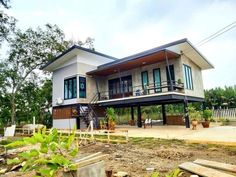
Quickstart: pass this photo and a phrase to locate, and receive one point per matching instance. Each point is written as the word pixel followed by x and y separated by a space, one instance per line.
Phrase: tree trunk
pixel 13 110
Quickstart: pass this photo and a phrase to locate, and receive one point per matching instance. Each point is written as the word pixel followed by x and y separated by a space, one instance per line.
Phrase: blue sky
pixel 124 27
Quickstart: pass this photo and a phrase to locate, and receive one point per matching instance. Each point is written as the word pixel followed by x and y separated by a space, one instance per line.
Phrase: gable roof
pixel 177 48
pixel 154 50
pixel 80 48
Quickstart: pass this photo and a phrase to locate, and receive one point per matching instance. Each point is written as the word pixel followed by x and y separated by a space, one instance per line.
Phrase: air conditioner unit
pixel 59 101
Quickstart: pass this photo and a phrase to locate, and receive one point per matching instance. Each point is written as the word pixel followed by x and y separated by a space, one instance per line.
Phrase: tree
pixel 7 23
pixel 30 50
pixel 4 3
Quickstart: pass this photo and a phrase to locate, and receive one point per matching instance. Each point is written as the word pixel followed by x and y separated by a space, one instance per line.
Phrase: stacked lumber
pixel 208 168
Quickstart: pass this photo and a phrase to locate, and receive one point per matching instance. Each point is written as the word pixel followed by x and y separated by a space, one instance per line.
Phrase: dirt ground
pixel 162 155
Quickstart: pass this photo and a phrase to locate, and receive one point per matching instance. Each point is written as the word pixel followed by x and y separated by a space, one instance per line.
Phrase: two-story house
pixel 85 81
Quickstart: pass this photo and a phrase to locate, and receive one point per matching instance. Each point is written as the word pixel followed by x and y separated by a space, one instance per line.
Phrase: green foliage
pixel 224 121
pixel 221 97
pixel 55 153
pixel 207 114
pixel 110 114
pixel 193 113
pixel 175 173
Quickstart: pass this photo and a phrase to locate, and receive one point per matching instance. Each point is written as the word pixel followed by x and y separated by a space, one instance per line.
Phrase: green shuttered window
pixel 188 79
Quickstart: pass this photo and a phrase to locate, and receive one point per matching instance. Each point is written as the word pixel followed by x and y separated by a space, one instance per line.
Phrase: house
pixel 85 82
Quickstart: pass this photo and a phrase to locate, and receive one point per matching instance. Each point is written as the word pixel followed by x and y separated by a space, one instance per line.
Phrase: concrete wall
pixel 198 89
pixel 64 123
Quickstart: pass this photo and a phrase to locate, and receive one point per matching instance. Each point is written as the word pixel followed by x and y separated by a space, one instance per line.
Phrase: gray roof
pixel 81 48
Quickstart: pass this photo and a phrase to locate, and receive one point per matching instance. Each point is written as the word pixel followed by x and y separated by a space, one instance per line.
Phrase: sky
pixel 125 27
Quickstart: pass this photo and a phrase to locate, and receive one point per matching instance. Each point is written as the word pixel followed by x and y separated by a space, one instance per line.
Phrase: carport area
pixel 225 135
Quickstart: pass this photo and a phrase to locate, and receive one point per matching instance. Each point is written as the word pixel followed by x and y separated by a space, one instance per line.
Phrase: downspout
pixel 168 69
pixel 121 89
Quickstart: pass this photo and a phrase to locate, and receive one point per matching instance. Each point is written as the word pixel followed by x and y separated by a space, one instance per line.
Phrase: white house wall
pixel 58 78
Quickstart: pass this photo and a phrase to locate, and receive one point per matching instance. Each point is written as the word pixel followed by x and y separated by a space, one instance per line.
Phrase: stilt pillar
pixel 164 114
pixel 132 113
pixel 186 115
pixel 139 117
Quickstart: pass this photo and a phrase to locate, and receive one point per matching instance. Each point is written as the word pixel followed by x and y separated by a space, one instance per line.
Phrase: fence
pixel 225 113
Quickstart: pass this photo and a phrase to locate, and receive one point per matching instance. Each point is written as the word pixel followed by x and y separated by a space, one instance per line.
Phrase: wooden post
pixel 34 124
pixel 186 115
pixel 164 114
pixel 139 117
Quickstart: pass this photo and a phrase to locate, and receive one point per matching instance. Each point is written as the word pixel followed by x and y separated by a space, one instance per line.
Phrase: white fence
pixel 225 113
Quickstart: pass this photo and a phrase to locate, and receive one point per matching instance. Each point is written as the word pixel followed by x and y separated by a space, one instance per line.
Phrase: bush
pixel 207 114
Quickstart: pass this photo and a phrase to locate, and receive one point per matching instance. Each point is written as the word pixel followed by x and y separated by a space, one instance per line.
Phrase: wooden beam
pixel 216 165
pixel 202 171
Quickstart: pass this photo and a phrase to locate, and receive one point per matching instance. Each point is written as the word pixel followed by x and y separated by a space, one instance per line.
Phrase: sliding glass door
pixel 120 87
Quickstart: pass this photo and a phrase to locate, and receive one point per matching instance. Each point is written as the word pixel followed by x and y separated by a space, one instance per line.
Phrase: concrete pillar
pixel 186 115
pixel 164 114
pixel 139 117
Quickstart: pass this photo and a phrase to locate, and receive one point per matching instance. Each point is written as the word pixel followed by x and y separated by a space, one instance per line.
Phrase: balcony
pixel 152 89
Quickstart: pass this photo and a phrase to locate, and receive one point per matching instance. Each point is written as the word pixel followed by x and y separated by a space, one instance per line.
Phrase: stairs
pixel 87 113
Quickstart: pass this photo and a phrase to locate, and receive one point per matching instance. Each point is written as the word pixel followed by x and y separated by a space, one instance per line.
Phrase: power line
pixel 230 26
pixel 214 35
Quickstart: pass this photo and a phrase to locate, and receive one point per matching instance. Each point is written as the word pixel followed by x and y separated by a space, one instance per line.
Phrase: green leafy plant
pixel 194 114
pixel 175 173
pixel 207 114
pixel 110 114
pixel 54 155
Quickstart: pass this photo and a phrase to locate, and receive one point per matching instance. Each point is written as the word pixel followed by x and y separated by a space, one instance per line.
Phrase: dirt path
pixel 163 155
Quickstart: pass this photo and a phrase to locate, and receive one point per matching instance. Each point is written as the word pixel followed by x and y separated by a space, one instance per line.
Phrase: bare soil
pixel 162 155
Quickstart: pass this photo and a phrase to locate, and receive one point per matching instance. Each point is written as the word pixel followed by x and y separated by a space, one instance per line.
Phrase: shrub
pixel 207 114
pixel 55 153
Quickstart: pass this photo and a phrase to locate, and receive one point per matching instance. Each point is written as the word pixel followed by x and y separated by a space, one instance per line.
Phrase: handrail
pixel 138 89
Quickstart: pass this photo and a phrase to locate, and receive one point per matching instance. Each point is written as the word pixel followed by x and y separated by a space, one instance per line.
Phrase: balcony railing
pixel 139 90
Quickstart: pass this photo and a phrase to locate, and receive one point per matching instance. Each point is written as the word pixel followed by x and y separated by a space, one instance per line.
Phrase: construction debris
pixel 203 171
pixel 216 165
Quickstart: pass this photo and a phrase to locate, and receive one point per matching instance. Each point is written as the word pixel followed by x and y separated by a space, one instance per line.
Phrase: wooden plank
pixel 88 157
pixel 217 165
pixel 203 171
pixel 90 161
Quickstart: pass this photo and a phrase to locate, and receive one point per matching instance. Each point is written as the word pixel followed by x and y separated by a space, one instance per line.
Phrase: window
pixel 82 87
pixel 120 87
pixel 70 88
pixel 188 80
pixel 145 81
pixel 157 80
